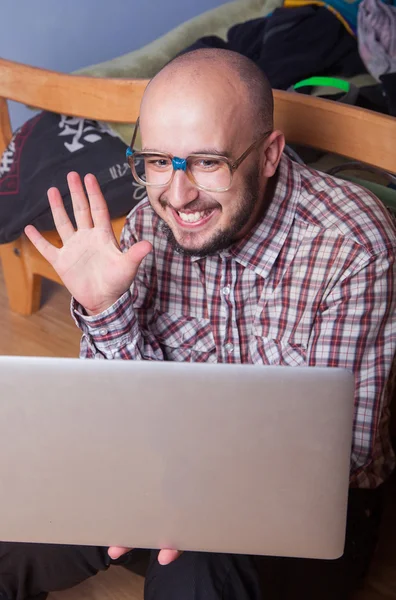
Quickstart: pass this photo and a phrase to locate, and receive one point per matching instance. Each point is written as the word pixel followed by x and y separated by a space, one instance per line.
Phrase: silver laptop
pixel 224 458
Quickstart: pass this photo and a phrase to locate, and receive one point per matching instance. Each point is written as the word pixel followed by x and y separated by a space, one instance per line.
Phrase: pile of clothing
pixel 303 39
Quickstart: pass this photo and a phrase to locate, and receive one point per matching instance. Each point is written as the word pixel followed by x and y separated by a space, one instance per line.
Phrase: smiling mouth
pixel 194 217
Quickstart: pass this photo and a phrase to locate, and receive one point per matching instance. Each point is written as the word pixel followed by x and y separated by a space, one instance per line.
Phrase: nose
pixel 181 191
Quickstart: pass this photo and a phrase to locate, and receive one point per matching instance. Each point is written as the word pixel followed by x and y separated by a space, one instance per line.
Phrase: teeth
pixel 192 217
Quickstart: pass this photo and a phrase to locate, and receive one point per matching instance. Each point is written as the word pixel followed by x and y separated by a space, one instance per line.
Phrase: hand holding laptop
pixel 165 556
pixel 90 263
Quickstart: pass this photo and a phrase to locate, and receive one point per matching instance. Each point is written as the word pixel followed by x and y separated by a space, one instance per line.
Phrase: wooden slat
pixel 334 127
pixel 118 224
pixel 5 125
pixel 350 131
pixel 116 100
pixel 23 285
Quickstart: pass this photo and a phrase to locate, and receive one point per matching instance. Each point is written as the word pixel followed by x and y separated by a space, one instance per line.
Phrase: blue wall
pixel 68 35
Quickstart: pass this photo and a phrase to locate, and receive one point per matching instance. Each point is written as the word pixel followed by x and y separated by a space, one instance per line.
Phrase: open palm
pixel 90 263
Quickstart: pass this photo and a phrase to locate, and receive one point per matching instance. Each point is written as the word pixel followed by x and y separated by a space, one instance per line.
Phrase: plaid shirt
pixel 312 284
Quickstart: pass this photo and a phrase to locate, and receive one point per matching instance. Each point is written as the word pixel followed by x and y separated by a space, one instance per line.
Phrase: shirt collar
pixel 259 249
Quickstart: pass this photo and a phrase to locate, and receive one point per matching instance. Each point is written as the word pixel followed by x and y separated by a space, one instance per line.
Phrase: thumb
pixel 165 557
pixel 136 253
pixel 116 551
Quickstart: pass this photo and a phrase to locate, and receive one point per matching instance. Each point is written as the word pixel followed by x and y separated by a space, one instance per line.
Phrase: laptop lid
pixel 222 458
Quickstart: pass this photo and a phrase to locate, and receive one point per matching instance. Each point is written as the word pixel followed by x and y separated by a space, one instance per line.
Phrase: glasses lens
pixel 152 169
pixel 211 173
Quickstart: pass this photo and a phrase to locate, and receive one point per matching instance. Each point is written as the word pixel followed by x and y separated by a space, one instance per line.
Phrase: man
pixel 237 255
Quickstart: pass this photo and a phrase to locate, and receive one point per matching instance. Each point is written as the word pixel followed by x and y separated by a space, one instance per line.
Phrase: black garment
pixel 389 85
pixel 196 576
pixel 370 97
pixel 41 154
pixel 292 44
pixel 32 570
pixel 28 570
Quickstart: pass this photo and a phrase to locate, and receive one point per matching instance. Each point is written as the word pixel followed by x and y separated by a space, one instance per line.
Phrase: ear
pixel 272 153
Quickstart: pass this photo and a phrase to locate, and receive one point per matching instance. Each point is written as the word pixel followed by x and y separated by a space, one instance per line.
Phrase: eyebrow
pixel 213 151
pixel 154 151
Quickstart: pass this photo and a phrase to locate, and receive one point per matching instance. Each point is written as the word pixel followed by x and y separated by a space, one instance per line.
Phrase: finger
pixel 82 211
pixel 61 219
pixel 135 255
pixel 99 211
pixel 165 557
pixel 116 551
pixel 46 249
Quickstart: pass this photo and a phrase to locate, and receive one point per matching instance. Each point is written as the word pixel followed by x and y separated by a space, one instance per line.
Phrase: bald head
pixel 217 76
pixel 233 66
pixel 206 114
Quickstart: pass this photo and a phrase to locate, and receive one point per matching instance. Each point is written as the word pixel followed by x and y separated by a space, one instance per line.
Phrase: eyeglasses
pixel 209 172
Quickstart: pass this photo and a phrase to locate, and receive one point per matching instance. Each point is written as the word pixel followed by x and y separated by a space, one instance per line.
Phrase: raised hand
pixel 90 263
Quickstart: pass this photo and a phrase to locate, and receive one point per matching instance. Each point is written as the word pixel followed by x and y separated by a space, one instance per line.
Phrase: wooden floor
pixel 49 332
pixel 52 332
pixel 115 584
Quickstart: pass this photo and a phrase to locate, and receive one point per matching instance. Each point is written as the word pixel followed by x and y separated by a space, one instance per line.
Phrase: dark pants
pixel 30 570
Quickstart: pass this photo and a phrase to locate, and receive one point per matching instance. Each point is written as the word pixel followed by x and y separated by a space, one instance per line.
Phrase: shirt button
pixel 103 331
pixel 226 290
pixel 229 348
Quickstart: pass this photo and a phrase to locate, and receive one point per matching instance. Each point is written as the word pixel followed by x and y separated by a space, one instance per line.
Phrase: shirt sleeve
pixel 116 332
pixel 355 328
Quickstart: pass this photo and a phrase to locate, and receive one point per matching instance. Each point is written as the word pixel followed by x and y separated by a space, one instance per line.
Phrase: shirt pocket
pixel 268 350
pixel 183 338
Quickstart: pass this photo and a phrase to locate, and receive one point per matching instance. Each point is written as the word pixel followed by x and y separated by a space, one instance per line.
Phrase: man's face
pixel 199 222
pixel 211 222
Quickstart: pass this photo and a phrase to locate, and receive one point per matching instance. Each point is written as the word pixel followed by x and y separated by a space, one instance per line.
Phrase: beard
pixel 224 237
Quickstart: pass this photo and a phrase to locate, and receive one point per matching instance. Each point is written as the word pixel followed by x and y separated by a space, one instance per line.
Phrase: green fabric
pixel 358 80
pixel 333 82
pixel 147 61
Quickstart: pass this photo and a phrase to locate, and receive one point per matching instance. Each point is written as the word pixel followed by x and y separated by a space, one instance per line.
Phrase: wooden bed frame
pixel 329 126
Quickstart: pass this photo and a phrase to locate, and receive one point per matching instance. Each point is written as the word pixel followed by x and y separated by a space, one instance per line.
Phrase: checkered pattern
pixel 312 284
